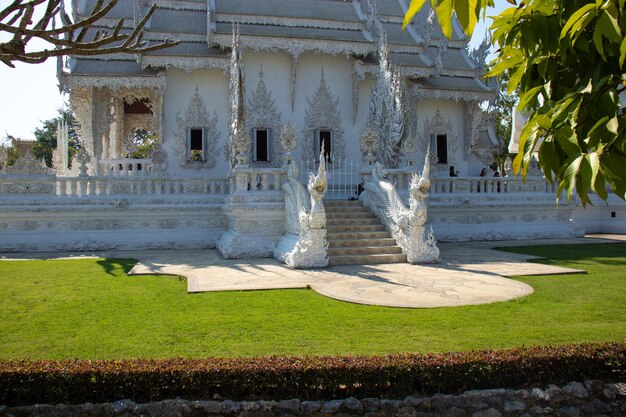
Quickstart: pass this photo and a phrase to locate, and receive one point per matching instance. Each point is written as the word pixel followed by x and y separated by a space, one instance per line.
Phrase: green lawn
pixel 90 309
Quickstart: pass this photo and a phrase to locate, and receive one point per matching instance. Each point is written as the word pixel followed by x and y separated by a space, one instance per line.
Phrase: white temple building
pixel 254 87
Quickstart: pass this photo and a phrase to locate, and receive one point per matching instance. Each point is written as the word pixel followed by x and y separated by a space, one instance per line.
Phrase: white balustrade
pixel 343 183
pixel 111 185
pixel 126 167
pixel 258 179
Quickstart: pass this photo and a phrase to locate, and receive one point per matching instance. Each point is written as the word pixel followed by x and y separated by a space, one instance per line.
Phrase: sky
pixel 29 93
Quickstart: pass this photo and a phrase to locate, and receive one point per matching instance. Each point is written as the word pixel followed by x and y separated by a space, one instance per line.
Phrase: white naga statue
pixel 407 224
pixel 304 245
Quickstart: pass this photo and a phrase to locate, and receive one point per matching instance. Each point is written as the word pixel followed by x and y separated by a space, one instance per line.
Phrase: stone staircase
pixel 356 236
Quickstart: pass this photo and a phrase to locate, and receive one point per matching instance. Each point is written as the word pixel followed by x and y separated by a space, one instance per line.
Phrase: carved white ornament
pixel 369 144
pixel 322 113
pixel 28 164
pixel 116 83
pixel 439 125
pixel 406 224
pixel 304 245
pixel 288 137
pixel 235 151
pixel 452 95
pixel 387 114
pixel 473 120
pixel 196 117
pixel 297 47
pixel 261 113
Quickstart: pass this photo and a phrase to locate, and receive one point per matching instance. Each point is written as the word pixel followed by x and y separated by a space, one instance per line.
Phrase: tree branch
pixel 20 25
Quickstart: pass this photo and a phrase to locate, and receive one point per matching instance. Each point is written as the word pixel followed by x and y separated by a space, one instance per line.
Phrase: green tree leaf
pixel 414 8
pixel 444 15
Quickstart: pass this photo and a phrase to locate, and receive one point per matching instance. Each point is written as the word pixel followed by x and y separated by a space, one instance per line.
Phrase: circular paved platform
pixel 470 273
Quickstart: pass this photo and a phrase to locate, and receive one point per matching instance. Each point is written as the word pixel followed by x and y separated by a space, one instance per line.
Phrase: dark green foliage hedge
pixel 305 377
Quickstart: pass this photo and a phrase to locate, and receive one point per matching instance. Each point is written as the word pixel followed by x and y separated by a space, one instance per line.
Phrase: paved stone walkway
pixel 470 273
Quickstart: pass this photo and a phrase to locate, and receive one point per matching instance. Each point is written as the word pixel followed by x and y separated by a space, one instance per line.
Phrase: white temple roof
pixel 325 26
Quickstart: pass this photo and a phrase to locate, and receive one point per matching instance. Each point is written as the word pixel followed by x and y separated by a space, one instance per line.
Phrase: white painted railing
pixel 126 167
pixel 90 186
pixel 471 185
pixel 343 184
pixel 257 179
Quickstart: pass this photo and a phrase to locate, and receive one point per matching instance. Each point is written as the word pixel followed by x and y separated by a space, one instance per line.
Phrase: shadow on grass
pixel 111 265
pixel 605 253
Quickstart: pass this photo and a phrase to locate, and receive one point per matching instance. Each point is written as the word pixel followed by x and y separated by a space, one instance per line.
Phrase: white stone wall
pixel 213 88
pixel 453 112
pixel 78 224
pixel 602 217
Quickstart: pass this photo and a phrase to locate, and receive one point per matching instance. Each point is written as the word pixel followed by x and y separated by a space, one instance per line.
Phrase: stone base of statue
pixel 308 251
pixel 424 248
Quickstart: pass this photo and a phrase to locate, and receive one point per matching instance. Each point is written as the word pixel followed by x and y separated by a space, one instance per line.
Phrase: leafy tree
pixel 502 109
pixel 46 137
pixel 9 154
pixel 144 142
pixel 566 57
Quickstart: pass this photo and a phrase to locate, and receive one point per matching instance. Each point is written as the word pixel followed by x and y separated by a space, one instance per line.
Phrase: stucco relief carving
pixel 387 112
pixel 116 83
pixel 186 64
pixel 452 95
pixel 322 113
pixel 439 125
pixel 29 188
pixel 28 164
pixel 81 100
pixel 197 117
pixel 297 47
pixel 86 245
pixel 478 219
pixel 262 113
pixel 472 123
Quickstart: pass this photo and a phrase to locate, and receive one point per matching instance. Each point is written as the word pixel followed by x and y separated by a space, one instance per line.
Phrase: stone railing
pixel 91 186
pixel 126 167
pixel 473 185
pixel 257 179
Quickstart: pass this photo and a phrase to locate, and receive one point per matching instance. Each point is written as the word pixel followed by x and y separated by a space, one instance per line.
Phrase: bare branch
pixel 62 39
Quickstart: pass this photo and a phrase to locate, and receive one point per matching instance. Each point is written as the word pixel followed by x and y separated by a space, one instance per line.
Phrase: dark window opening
pixel 612 214
pixel 195 145
pixel 325 139
pixel 442 149
pixel 262 148
pixel 137 107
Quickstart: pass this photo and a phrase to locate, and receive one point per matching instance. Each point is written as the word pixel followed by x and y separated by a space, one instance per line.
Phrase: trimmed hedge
pixel 306 377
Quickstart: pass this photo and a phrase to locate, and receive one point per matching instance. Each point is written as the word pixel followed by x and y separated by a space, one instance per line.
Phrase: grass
pixel 90 308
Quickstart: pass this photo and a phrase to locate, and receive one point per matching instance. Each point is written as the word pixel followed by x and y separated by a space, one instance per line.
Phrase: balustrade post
pixel 265 183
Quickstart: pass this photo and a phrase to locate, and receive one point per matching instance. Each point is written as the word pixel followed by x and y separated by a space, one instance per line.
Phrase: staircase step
pixel 356 236
pixel 331 236
pixel 335 203
pixel 364 250
pixel 355 228
pixel 351 243
pixel 351 221
pixel 350 214
pixel 367 259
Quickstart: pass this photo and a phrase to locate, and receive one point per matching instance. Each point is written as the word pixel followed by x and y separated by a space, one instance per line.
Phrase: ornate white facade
pixel 285 77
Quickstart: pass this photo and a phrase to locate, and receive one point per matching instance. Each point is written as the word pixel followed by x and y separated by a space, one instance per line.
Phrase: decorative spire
pixel 236 93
